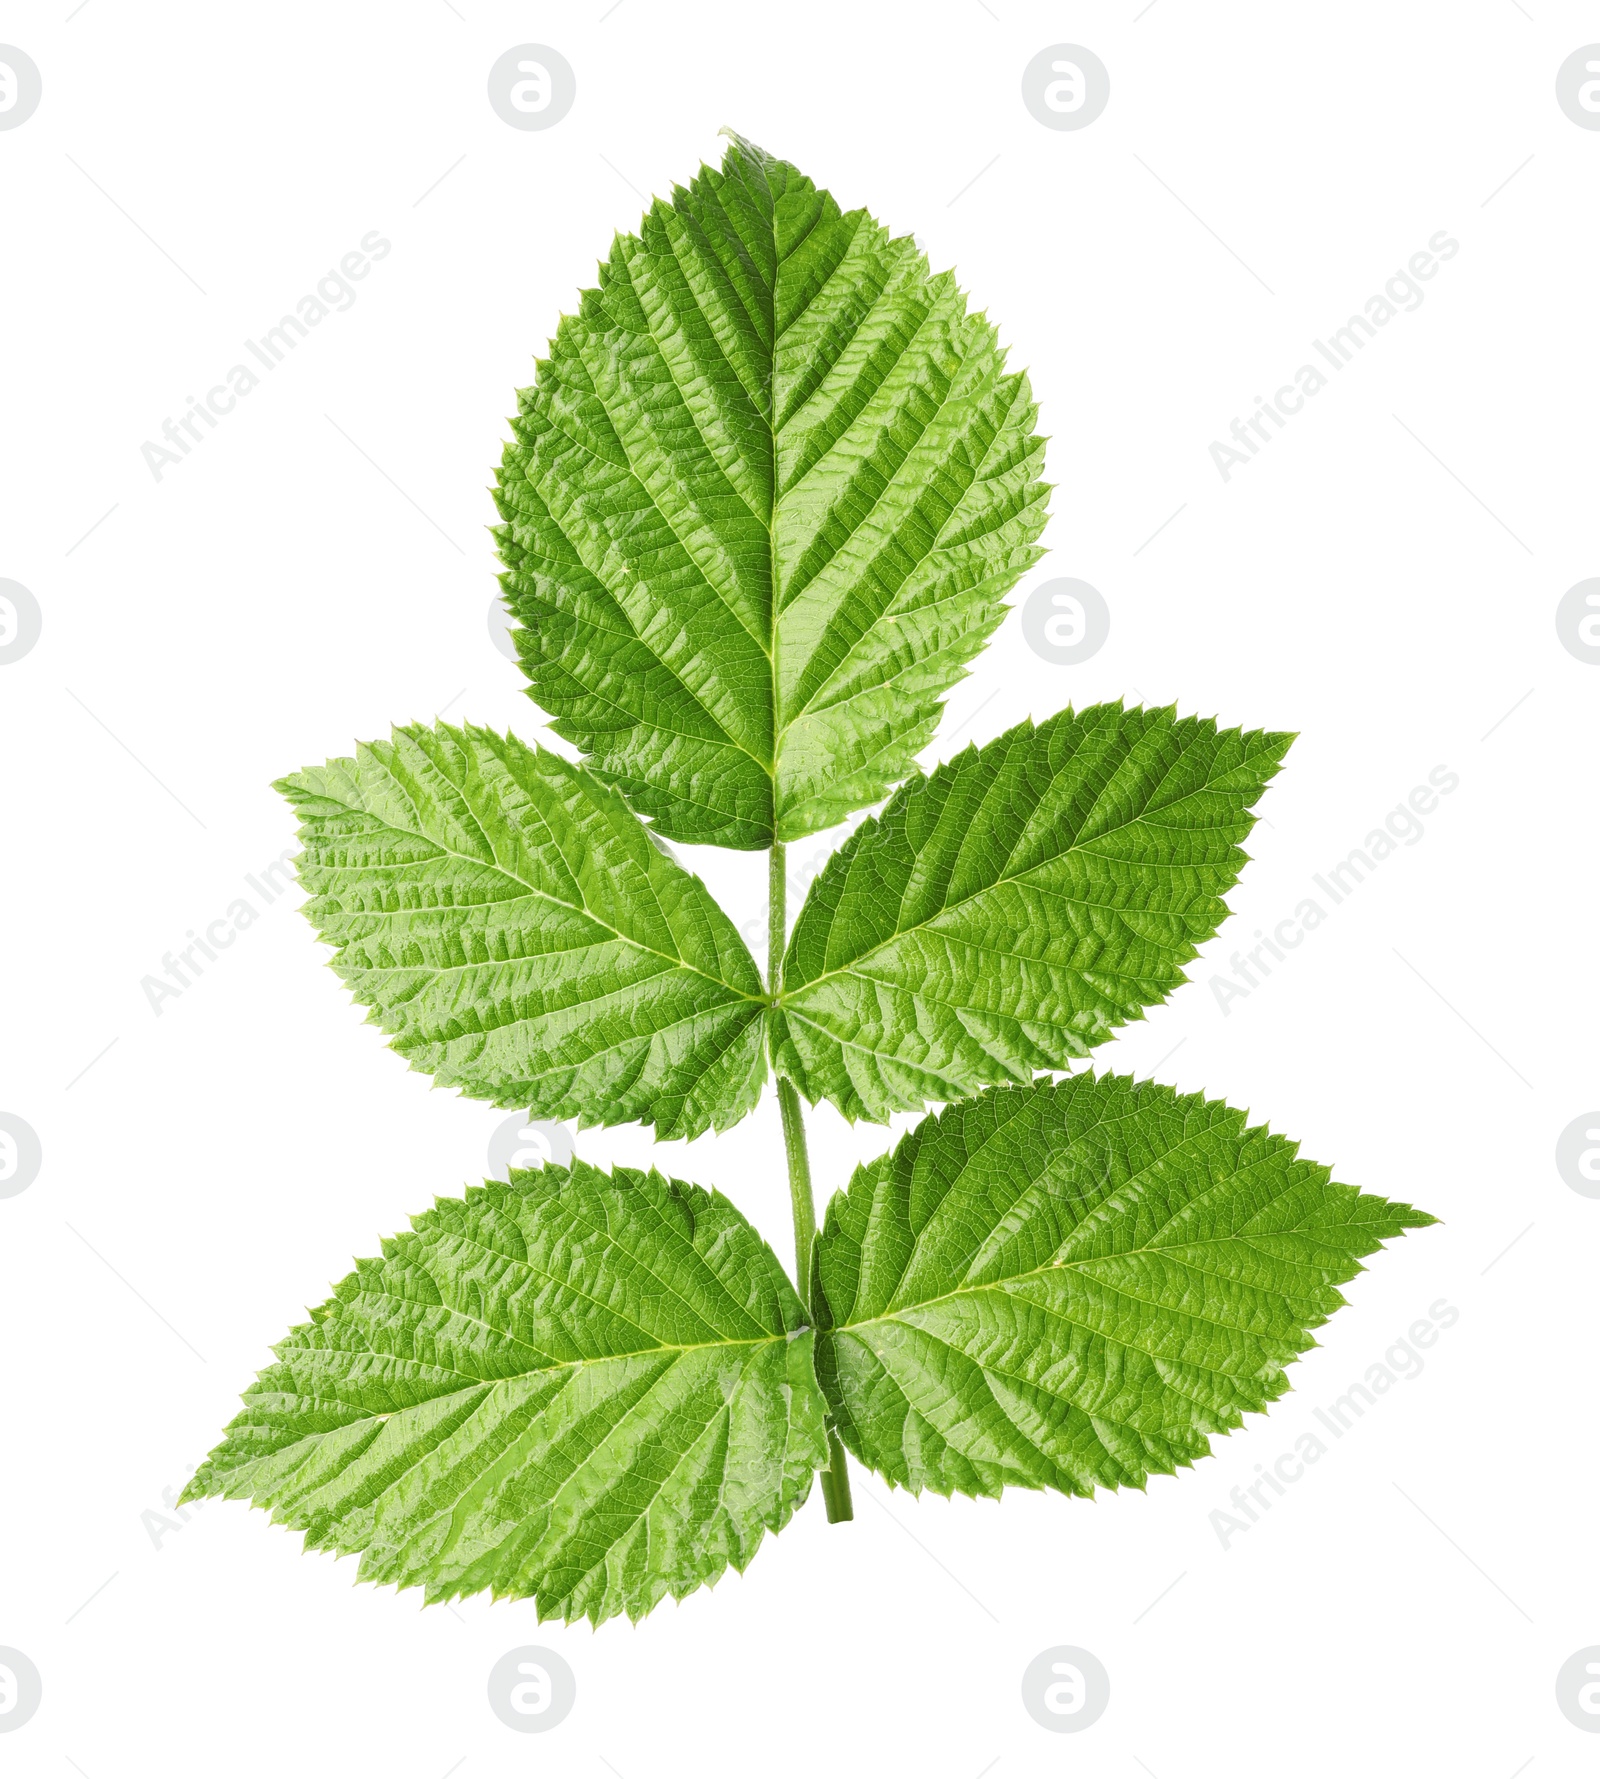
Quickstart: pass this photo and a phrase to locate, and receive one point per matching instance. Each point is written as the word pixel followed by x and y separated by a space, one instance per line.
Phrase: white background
pixel 1405 1607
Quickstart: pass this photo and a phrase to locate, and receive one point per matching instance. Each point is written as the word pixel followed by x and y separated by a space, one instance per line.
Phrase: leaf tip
pixel 743 145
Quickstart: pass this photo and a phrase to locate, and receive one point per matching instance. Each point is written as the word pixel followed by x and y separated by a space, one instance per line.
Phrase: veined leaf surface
pixel 1007 913
pixel 590 1391
pixel 516 931
pixel 1072 1285
pixel 761 507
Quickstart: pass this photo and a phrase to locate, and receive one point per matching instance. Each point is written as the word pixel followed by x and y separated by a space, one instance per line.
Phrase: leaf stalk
pixel 836 1478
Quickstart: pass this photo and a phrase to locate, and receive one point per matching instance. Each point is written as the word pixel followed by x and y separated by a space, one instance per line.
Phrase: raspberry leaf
pixel 519 935
pixel 1072 1285
pixel 1007 913
pixel 588 1390
pixel 762 505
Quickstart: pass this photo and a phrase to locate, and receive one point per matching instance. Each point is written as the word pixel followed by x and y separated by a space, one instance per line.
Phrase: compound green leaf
pixel 1007 913
pixel 518 933
pixel 761 507
pixel 1071 1285
pixel 587 1390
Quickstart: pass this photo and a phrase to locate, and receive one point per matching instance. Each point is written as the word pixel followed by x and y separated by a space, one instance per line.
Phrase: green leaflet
pixel 587 1390
pixel 1070 1285
pixel 515 930
pixel 1007 913
pixel 762 506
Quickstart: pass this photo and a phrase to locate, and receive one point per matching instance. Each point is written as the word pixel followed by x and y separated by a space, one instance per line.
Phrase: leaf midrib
pixel 538 894
pixel 768 415
pixel 1062 1267
pixel 670 1349
pixel 852 966
pixel 1129 1191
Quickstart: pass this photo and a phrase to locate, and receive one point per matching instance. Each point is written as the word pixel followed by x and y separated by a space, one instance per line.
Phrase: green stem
pixel 836 1478
pixel 800 1200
